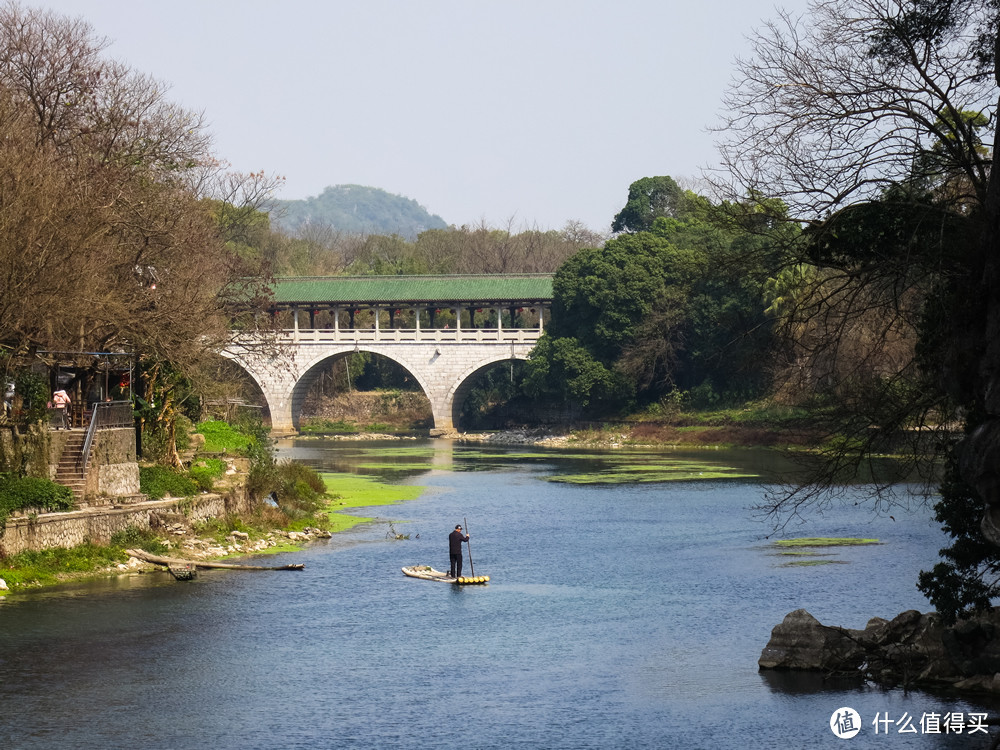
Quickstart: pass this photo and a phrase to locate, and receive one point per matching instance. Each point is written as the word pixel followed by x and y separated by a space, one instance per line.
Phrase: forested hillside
pixel 356 209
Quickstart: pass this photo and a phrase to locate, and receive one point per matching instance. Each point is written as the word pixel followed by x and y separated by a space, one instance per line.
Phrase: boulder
pixel 912 649
pixel 803 642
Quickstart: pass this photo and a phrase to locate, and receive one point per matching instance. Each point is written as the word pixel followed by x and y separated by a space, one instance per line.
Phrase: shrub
pixel 160 481
pixel 221 437
pixel 135 537
pixel 206 471
pixel 33 390
pixel 20 493
pixel 298 488
pixel 182 432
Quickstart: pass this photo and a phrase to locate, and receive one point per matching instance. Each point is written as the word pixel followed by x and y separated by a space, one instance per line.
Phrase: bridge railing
pixel 428 335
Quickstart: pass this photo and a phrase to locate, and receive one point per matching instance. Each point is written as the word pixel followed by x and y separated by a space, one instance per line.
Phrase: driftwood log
pixel 176 562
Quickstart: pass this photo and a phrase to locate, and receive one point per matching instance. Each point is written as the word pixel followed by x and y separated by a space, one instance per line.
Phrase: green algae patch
pixel 797 553
pixel 811 563
pixel 803 550
pixel 659 470
pixel 403 467
pixel 357 491
pixel 825 541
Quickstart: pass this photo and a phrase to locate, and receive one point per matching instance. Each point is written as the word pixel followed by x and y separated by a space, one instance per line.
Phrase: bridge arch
pixel 313 368
pixel 460 388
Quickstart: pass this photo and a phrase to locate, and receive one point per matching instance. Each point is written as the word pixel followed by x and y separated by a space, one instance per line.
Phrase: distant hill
pixel 357 209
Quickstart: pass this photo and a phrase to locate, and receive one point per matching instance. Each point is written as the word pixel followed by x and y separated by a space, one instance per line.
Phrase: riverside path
pixel 442 329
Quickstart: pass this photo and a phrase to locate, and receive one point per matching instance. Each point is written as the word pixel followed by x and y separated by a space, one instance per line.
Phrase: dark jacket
pixel 455 540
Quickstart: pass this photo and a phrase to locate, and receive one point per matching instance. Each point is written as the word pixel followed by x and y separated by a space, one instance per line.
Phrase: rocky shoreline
pixel 913 649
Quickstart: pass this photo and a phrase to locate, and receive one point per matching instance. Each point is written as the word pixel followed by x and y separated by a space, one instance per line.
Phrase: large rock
pixel 912 649
pixel 803 642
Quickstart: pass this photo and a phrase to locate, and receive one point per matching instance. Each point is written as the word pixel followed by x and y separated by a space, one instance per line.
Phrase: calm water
pixel 617 617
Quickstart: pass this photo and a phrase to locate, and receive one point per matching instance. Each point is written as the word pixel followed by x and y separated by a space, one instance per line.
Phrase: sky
pixel 524 112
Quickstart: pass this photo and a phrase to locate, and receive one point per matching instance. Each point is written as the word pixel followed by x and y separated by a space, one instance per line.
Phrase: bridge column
pixel 280 406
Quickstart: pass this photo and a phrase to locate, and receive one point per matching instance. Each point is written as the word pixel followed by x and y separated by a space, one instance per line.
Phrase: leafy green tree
pixel 648 199
pixel 968 577
pixel 561 369
pixel 381 255
pixel 601 295
pixel 678 306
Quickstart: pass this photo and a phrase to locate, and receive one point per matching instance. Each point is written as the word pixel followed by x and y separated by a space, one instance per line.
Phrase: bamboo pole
pixel 471 566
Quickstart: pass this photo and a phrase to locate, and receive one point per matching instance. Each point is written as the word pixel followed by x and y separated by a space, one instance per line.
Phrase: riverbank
pixel 221 538
pixel 646 435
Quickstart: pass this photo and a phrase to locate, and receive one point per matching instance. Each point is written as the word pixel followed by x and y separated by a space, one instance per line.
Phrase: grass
pixel 220 437
pixel 205 471
pixel 341 426
pixel 162 481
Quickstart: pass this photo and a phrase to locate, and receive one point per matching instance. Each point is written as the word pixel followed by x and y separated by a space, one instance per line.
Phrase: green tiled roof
pixel 383 290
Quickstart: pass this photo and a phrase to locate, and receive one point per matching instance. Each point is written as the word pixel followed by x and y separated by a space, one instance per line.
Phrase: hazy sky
pixel 543 111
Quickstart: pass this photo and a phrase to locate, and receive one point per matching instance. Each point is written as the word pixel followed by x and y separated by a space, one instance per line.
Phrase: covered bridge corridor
pixel 441 329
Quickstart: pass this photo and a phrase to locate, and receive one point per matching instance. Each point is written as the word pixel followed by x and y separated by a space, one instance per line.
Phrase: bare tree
pixel 875 122
pixel 835 107
pixel 118 228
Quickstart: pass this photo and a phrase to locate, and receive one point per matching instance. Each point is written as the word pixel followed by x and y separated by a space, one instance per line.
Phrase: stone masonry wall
pixel 113 500
pixel 98 525
pixel 26 452
pixel 114 468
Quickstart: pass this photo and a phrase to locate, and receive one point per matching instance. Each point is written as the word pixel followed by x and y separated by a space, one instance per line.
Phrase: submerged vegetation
pixel 823 541
pixel 355 491
pixel 803 550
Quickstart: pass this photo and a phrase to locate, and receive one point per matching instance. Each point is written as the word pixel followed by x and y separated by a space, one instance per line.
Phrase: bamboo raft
pixel 185 570
pixel 427 573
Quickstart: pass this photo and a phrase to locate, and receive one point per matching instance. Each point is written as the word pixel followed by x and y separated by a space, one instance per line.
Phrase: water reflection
pixel 809 683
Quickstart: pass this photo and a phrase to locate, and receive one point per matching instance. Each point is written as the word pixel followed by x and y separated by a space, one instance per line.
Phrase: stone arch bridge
pixel 442 329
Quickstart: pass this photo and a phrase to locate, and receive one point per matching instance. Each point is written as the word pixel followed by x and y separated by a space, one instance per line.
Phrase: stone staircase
pixel 69 471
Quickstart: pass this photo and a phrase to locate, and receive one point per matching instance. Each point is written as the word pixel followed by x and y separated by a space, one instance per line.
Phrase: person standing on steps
pixel 455 540
pixel 60 399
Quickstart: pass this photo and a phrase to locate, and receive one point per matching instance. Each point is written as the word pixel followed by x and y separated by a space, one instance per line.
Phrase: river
pixel 617 616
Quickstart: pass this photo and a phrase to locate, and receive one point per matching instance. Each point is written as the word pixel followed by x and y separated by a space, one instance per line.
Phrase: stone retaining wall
pixel 114 468
pixel 112 502
pixel 68 529
pixel 25 452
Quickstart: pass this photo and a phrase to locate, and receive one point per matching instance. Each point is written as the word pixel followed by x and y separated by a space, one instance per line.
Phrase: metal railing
pixel 106 415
